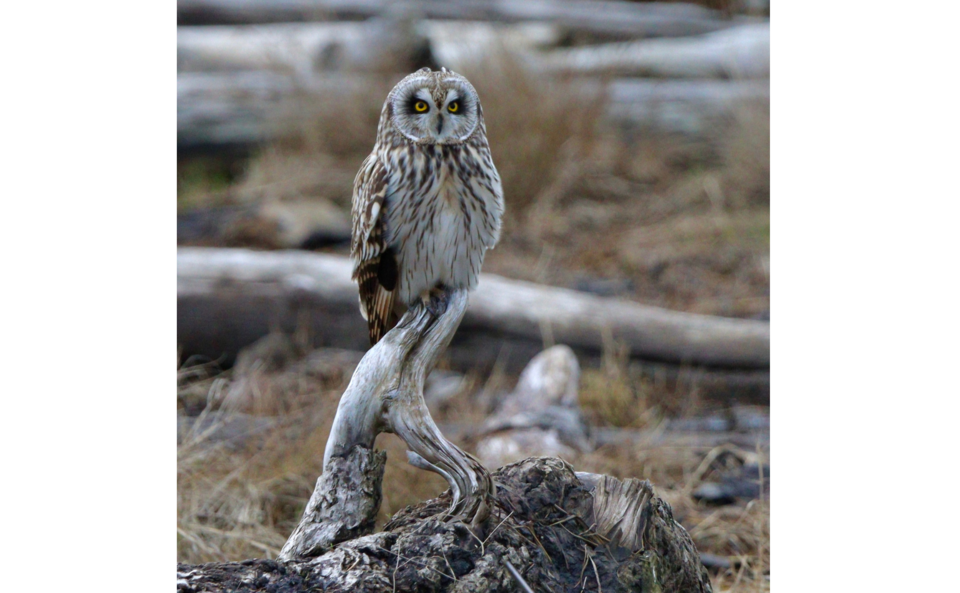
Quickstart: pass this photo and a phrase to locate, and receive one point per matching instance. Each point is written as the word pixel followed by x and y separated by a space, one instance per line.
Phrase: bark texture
pixel 560 530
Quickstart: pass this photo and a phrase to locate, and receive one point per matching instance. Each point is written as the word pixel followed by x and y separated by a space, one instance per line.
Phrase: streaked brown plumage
pixel 427 202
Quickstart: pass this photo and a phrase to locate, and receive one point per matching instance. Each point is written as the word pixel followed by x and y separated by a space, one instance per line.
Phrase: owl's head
pixel 430 107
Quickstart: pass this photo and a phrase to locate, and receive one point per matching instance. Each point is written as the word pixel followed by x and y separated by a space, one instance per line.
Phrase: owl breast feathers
pixel 427 202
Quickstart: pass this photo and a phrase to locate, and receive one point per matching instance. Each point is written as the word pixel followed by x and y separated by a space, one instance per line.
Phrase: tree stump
pixel 558 530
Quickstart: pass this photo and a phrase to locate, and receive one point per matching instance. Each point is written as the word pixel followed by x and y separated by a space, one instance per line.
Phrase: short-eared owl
pixel 427 202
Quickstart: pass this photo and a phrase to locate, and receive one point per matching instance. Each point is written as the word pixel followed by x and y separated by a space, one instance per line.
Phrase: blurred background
pixel 632 139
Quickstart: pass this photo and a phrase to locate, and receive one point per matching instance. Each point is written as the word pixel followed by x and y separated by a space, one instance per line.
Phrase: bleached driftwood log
pixel 237 295
pixel 694 108
pixel 252 106
pixel 305 49
pixel 549 527
pixel 738 52
pixel 378 45
pixel 541 416
pixel 463 45
pixel 255 106
pixel 385 394
pixel 599 18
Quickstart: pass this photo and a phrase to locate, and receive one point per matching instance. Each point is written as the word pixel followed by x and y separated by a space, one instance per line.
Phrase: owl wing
pixel 375 266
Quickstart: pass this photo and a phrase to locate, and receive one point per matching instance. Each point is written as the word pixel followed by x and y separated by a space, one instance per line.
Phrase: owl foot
pixel 435 301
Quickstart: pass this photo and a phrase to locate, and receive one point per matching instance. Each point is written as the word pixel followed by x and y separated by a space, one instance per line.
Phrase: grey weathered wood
pixel 601 18
pixel 385 394
pixel 605 537
pixel 344 504
pixel 618 508
pixel 304 49
pixel 541 416
pixel 388 44
pixel 739 52
pixel 228 295
pixel 466 45
pixel 289 47
pixel 251 107
pixel 695 108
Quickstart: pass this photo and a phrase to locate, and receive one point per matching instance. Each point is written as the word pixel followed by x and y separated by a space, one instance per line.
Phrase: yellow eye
pixel 420 106
pixel 454 107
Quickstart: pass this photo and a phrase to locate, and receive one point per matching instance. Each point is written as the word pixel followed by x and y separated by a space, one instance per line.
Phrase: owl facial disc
pixel 430 107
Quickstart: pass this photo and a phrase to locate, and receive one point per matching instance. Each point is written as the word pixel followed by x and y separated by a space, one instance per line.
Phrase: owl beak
pixel 439 124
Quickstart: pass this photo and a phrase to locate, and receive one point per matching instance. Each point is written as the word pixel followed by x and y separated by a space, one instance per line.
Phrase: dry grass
pixel 745 154
pixel 235 504
pixel 739 533
pixel 677 228
pixel 241 498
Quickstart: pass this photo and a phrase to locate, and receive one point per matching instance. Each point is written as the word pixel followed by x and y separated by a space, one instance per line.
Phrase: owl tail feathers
pixel 377 279
pixel 383 315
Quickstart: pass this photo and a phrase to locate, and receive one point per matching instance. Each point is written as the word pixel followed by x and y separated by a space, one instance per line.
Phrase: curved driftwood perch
pixel 550 528
pixel 385 394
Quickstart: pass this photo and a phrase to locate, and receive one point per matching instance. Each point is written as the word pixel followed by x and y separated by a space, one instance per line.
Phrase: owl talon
pixel 435 302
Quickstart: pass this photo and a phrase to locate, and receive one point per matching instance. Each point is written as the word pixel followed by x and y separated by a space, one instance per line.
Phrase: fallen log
pixel 466 45
pixel 395 44
pixel 378 45
pixel 251 107
pixel 304 49
pixel 230 297
pixel 601 19
pixel 738 52
pixel 541 416
pixel 694 108
pixel 550 529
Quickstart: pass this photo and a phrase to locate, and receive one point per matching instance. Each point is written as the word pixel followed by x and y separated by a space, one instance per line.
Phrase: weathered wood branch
pixel 541 416
pixel 250 107
pixel 738 52
pixel 385 394
pixel 379 45
pixel 603 19
pixel 344 504
pixel 694 108
pixel 228 298
pixel 559 530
